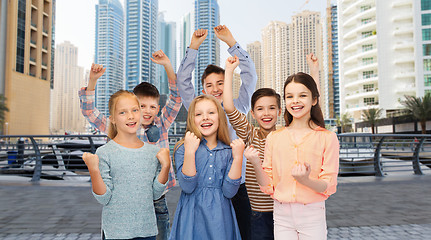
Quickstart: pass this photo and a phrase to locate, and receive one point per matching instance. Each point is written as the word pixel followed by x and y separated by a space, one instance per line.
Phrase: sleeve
pixel 105 172
pixel 184 77
pixel 89 110
pixel 187 183
pixel 248 78
pixel 242 127
pixel 330 164
pixel 172 107
pixel 158 188
pixel 230 186
pixel 267 165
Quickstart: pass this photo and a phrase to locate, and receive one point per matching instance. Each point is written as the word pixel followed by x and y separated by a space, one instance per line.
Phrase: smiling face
pixel 214 84
pixel 149 108
pixel 127 115
pixel 206 118
pixel 299 100
pixel 266 111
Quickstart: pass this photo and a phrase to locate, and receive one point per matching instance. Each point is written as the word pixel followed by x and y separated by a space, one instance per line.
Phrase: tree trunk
pixel 372 128
pixel 423 126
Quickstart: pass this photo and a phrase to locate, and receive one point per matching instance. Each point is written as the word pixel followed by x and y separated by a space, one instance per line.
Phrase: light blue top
pixel 248 79
pixel 130 176
pixel 204 209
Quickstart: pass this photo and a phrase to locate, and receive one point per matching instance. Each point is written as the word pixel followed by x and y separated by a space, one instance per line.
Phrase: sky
pixel 75 20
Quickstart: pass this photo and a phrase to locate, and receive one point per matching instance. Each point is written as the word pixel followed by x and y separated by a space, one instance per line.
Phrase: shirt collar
pixel 220 145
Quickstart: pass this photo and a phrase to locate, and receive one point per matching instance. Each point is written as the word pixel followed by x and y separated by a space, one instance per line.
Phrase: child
pixel 212 82
pixel 209 172
pixel 148 96
pixel 265 108
pixel 128 176
pixel 301 164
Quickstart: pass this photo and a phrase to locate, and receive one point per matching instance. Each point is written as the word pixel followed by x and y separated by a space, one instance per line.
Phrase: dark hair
pixel 145 89
pixel 265 92
pixel 210 70
pixel 315 113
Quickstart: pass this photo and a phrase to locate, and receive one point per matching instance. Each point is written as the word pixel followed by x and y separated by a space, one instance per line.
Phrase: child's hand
pixel 252 155
pixel 301 172
pixel 231 63
pixel 198 38
pixel 191 142
pixel 91 160
pixel 160 57
pixel 237 146
pixel 96 72
pixel 163 157
pixel 313 63
pixel 223 33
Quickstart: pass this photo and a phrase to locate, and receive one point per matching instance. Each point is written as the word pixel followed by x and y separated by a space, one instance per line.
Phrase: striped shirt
pixel 255 137
pixel 163 122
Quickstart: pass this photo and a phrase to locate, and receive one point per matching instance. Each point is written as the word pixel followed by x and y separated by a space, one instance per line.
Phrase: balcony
pixel 353 45
pixel 405 75
pixel 361 68
pixel 362 81
pixel 408 88
pixel 354 19
pixel 360 54
pixel 362 93
pixel 403 30
pixel 404 45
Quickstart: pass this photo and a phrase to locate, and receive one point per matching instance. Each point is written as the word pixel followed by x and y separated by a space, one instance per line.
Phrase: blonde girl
pixel 300 165
pixel 126 174
pixel 209 172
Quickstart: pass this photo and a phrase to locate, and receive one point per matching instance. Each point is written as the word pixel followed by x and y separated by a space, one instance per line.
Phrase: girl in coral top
pixel 300 166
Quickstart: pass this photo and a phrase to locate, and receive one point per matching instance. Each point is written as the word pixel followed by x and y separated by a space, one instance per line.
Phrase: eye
pixel 272 107
pixel 288 96
pixel 258 109
pixel 135 110
pixel 142 106
pixel 153 107
pixel 197 114
pixel 121 113
pixel 303 95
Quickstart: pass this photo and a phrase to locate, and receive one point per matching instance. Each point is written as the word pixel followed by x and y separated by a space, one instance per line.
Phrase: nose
pixel 130 115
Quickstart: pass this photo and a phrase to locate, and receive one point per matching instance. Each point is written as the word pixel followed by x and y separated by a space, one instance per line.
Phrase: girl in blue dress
pixel 209 172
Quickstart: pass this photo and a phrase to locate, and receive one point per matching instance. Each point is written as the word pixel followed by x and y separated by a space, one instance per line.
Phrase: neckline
pixel 132 149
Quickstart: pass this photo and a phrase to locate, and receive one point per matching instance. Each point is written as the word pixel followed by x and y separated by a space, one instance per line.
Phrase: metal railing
pixel 59 156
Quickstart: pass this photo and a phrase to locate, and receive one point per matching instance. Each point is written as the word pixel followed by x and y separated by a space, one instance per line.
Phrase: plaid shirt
pixel 163 122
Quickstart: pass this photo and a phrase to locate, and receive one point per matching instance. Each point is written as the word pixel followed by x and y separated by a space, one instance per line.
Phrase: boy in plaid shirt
pixel 155 128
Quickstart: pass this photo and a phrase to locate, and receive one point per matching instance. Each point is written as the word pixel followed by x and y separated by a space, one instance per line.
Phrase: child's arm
pixel 252 155
pixel 313 64
pixel 231 64
pixel 185 163
pixel 162 175
pixel 172 106
pixel 248 71
pixel 327 180
pixel 184 73
pixel 87 100
pixel 101 180
pixel 232 180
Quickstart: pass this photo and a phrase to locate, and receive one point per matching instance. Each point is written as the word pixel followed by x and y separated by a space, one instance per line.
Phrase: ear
pixel 314 102
pixel 158 108
pixel 279 112
pixel 252 114
pixel 111 119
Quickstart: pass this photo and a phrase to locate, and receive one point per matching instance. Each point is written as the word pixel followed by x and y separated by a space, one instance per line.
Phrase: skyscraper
pixel 109 51
pixel 166 32
pixel 141 41
pixel 66 115
pixel 207 16
pixel 255 52
pixel 25 59
pixel 330 64
pixel 422 46
pixel 377 61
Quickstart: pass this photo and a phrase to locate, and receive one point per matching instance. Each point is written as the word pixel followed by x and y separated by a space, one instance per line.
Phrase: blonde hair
pixel 222 131
pixel 112 129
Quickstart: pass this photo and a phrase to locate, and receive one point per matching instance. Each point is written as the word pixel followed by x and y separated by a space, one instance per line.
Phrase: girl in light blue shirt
pixel 209 172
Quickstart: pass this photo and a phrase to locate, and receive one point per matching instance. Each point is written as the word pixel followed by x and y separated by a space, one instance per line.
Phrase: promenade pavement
pixel 393 207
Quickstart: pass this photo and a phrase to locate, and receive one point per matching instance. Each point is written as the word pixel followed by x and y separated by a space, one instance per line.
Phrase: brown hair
pixel 145 89
pixel 112 129
pixel 316 115
pixel 210 70
pixel 222 131
pixel 265 92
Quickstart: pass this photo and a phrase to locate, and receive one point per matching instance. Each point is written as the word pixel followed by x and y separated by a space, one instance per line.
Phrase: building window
pixel 365 8
pixel 365 21
pixel 20 39
pixel 366 34
pixel 366 61
pixel 367 74
pixel 368 87
pixel 426 34
pixel 427 80
pixel 426 19
pixel 425 5
pixel 427 49
pixel 427 91
pixel 369 101
pixel 427 64
pixel 367 47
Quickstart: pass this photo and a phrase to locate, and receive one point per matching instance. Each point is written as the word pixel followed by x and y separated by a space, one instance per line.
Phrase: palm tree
pixel 372 116
pixel 344 122
pixel 3 109
pixel 419 107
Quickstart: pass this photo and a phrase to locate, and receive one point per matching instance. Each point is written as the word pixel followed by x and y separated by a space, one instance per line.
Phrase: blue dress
pixel 204 209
